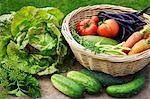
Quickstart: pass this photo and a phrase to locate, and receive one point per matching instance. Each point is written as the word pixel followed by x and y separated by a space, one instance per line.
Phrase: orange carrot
pixel 135 37
pixel 140 46
pixel 147 34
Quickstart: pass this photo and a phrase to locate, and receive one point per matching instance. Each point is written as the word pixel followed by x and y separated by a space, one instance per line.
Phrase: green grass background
pixel 67 5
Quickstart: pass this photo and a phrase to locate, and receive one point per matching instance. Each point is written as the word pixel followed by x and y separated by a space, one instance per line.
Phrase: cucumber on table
pixel 103 78
pixel 91 85
pixel 67 86
pixel 128 89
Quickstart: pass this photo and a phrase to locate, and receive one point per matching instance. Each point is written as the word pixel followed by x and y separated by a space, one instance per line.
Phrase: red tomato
pixel 95 18
pixel 109 28
pixel 87 27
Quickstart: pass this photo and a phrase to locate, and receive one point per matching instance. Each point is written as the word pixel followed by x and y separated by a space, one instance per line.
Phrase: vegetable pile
pixel 31 44
pixel 100 45
pixel 128 22
pixel 128 29
pixel 78 82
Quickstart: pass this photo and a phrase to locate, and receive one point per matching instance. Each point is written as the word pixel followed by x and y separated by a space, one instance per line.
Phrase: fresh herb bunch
pixel 17 82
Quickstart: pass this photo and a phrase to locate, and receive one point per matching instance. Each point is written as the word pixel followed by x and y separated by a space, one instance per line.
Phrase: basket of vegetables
pixel 108 38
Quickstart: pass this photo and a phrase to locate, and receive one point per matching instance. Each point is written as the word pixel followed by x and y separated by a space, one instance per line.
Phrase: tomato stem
pixel 86 25
pixel 99 23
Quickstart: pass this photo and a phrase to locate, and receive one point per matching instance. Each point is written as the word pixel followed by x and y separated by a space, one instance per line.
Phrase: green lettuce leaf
pixel 42 42
pixel 56 12
pixel 22 16
pixel 36 33
pixel 31 44
pixel 5 36
pixel 19 59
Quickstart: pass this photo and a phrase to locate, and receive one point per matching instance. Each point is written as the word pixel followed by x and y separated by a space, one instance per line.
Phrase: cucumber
pixel 91 85
pixel 67 86
pixel 103 40
pixel 128 89
pixel 103 78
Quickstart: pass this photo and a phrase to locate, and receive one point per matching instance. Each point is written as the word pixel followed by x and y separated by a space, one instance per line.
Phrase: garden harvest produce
pixel 87 27
pixel 98 54
pixel 128 22
pixel 36 35
pixel 126 28
pixel 104 79
pixel 102 40
pixel 127 89
pixel 78 82
pixel 95 18
pixel 31 44
pixel 67 86
pixel 140 46
pixel 135 37
pixel 147 34
pixel 107 48
pixel 16 82
pixel 109 28
pixel 91 85
pixel 75 83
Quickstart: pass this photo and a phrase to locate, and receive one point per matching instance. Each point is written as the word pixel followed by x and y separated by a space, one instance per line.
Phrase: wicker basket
pixel 114 65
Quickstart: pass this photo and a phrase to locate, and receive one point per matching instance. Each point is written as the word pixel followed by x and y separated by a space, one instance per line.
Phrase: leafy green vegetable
pixel 5 36
pixel 36 33
pixel 19 59
pixel 56 12
pixel 22 16
pixel 17 82
pixel 31 44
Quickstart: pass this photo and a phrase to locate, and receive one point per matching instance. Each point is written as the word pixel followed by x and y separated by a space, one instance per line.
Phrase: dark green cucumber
pixel 128 89
pixel 91 85
pixel 102 40
pixel 67 86
pixel 103 78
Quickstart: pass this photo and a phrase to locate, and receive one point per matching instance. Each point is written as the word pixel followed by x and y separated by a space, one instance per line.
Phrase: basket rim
pixel 72 43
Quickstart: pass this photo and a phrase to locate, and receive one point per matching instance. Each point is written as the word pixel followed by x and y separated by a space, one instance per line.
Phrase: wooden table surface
pixel 49 92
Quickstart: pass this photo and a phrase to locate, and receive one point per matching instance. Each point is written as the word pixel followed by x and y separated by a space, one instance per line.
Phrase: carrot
pixel 140 46
pixel 147 34
pixel 135 37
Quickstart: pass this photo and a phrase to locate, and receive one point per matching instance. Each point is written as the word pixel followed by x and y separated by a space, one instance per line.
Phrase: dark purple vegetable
pixel 134 16
pixel 118 19
pixel 126 16
pixel 139 27
pixel 123 32
pixel 128 22
pixel 112 15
